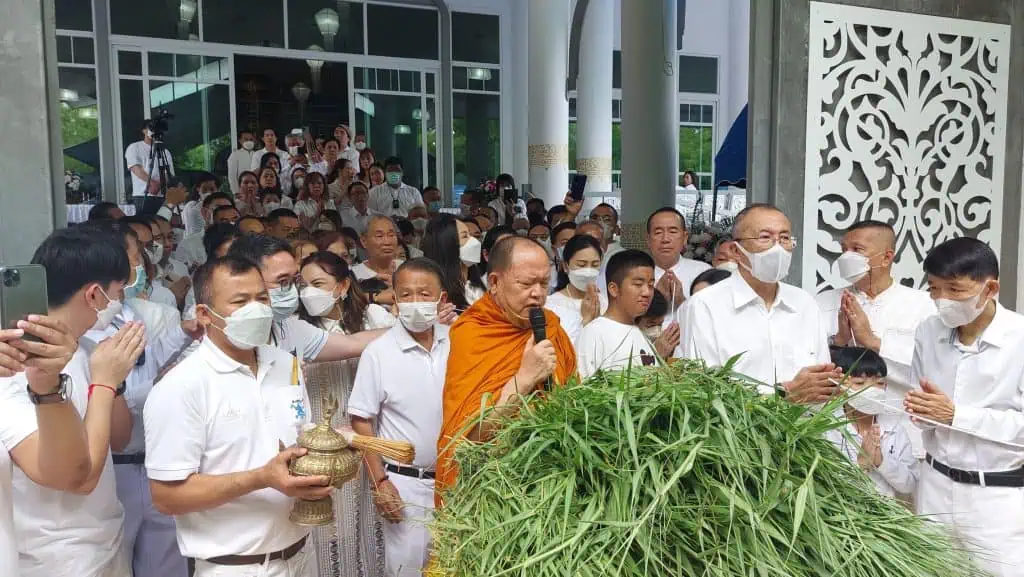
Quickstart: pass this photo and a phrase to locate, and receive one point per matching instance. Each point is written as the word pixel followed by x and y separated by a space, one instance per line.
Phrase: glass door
pixel 194 92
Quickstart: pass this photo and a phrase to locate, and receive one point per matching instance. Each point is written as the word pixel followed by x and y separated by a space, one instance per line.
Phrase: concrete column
pixel 594 97
pixel 32 194
pixel 739 61
pixel 549 108
pixel 519 92
pixel 650 114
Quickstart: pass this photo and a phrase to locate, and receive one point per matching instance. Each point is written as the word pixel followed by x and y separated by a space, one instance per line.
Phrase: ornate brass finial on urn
pixel 328 454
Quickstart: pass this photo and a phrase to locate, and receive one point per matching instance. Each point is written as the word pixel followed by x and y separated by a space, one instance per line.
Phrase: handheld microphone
pixel 538 323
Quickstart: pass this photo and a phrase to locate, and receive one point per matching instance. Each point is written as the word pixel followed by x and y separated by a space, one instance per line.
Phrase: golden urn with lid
pixel 328 454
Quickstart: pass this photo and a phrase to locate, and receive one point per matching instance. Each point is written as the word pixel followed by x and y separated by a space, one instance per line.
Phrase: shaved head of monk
pixel 518 274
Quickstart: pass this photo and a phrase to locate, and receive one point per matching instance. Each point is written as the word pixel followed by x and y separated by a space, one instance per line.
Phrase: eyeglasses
pixel 766 240
pixel 288 283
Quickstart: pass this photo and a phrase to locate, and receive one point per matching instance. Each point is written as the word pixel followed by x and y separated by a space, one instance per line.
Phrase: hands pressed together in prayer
pixel 930 403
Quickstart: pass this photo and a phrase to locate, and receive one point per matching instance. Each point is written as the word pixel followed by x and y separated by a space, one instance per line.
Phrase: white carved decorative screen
pixel 906 121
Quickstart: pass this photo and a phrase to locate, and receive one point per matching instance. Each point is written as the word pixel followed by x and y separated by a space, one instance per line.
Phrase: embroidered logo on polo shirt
pixel 300 409
pixel 647 359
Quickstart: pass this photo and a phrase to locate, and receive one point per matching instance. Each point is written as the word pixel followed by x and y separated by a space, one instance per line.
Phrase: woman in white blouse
pixel 576 299
pixel 312 202
pixel 333 301
pixel 447 242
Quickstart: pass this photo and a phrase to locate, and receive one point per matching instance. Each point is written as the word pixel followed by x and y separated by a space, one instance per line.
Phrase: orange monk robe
pixel 486 352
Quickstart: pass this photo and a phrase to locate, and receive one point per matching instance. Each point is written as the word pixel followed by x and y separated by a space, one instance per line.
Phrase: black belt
pixel 133 459
pixel 1014 478
pixel 409 471
pixel 283 555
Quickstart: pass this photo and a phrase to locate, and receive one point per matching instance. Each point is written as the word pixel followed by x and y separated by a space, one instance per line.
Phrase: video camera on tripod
pixel 158 125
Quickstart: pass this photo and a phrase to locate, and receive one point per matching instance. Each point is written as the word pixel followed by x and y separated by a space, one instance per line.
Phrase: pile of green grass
pixel 677 471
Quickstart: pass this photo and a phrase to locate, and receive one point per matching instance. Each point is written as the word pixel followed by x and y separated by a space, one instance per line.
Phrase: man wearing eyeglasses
pixel 776 328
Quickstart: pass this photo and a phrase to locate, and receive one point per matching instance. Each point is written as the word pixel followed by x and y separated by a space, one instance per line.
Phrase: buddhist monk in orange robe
pixel 494 360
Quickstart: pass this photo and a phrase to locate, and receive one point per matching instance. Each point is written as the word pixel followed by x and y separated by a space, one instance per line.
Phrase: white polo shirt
pixel 400 384
pixel 191 251
pixel 985 381
pixel 728 318
pixel 296 336
pixel 383 197
pixel 211 415
pixel 257 158
pixel 138 154
pixel 62 533
pixel 606 344
pixel 17 423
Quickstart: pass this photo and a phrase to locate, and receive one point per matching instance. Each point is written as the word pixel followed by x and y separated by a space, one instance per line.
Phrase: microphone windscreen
pixel 538 323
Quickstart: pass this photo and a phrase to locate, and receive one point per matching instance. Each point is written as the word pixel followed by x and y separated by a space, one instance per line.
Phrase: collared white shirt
pixel 352 218
pixel 362 271
pixel 192 218
pixel 894 316
pixel 298 337
pixel 239 162
pixel 138 154
pixel 400 384
pixel 899 469
pixel 310 208
pixel 162 342
pixel 173 270
pixel 728 318
pixel 383 197
pixel 570 312
pixel 211 415
pixel 17 423
pixel 985 381
pixel 353 157
pixel 191 252
pixel 606 344
pixel 61 533
pixel 257 157
pixel 685 270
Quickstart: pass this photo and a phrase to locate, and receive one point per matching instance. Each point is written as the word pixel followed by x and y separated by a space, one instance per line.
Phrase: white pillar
pixel 739 60
pixel 594 98
pixel 518 65
pixel 548 40
pixel 650 114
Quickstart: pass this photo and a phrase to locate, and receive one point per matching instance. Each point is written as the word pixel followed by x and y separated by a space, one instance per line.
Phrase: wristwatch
pixel 58 395
pixel 119 391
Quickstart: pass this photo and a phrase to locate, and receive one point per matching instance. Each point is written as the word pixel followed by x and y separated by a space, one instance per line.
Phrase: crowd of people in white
pixel 148 418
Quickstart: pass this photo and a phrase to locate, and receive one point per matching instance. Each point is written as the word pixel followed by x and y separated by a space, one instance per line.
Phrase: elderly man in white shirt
pixel 214 426
pixel 269 147
pixel 397 395
pixel 359 214
pixel 78 530
pixel 673 274
pixel 394 197
pixel 776 327
pixel 874 311
pixel 241 159
pixel 970 405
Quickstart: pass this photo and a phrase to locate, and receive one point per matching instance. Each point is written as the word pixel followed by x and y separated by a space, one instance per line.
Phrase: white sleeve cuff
pixel 170 475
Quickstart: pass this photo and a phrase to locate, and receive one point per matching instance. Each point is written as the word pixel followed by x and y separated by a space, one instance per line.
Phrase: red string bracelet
pixel 108 387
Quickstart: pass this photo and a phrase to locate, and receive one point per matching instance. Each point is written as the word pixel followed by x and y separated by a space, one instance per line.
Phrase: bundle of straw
pixel 401 451
pixel 676 471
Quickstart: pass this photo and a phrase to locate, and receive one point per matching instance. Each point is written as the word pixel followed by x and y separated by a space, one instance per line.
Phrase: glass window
pixel 73 14
pixel 64 49
pixel 617 69
pixel 129 63
pixel 84 52
pixel 80 132
pixel 171 19
pixel 333 26
pixel 476 38
pixel 402 32
pixel 392 128
pixel 476 141
pixel 199 138
pixel 429 118
pixel 696 148
pixel 253 22
pixel 698 74
pixel 132 113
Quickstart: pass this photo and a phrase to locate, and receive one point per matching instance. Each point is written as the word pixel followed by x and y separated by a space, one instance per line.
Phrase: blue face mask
pixel 434 206
pixel 139 287
pixel 394 178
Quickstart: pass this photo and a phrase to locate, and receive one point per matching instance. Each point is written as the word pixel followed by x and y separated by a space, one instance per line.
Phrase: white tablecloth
pixel 80 212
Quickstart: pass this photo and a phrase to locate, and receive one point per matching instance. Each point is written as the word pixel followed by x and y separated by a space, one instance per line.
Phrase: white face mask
pixel 318 301
pixel 959 313
pixel 652 333
pixel 271 206
pixel 249 326
pixel 419 224
pixel 470 252
pixel 156 253
pixel 581 277
pixel 299 181
pixel 770 266
pixel 248 145
pixel 360 146
pixel 728 266
pixel 853 266
pixel 284 302
pixel 417 317
pixel 870 401
pixel 293 150
pixel 106 316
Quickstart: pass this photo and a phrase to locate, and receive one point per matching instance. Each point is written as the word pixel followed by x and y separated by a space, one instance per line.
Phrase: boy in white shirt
pixel 397 395
pixel 881 448
pixel 614 340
